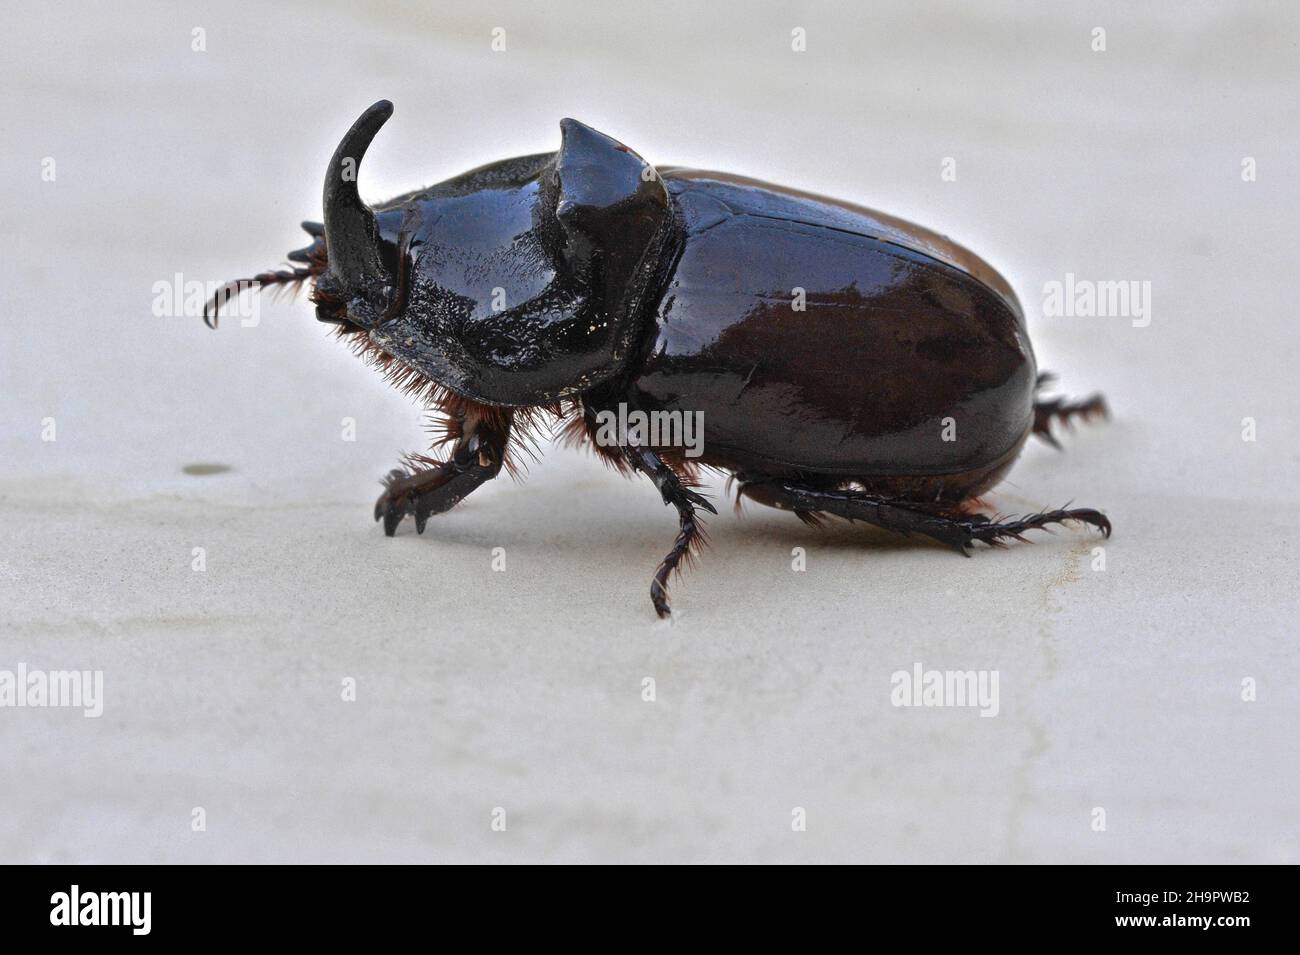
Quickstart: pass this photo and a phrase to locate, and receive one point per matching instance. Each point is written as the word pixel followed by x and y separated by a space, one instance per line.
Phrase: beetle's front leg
pixel 476 457
pixel 674 492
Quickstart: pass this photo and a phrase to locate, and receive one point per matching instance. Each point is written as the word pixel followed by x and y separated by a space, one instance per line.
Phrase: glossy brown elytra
pixel 842 362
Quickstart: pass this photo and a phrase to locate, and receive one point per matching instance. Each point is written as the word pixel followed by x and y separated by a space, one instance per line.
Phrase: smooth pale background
pixel 1119 689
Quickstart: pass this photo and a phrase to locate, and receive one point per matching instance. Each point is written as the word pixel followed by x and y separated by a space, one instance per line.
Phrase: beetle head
pixel 517 283
pixel 357 283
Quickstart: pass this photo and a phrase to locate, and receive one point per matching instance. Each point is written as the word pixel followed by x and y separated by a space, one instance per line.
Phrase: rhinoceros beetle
pixel 846 363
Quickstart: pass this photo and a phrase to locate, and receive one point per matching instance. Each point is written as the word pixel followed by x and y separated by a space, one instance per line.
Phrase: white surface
pixel 1119 689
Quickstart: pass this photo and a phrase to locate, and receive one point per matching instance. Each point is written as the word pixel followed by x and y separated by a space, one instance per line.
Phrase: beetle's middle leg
pixel 945 523
pixel 674 492
pixel 476 457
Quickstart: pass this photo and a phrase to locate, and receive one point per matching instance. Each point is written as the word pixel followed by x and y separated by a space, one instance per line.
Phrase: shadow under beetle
pixel 846 363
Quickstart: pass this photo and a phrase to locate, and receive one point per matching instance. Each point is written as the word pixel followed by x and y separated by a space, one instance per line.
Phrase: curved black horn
pixel 351 240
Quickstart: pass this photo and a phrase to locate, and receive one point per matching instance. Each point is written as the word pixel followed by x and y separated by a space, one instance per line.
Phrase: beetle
pixel 844 362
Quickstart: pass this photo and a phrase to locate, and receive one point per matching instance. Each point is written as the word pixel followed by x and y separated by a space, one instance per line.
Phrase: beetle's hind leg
pixel 1049 410
pixel 945 523
pixel 476 457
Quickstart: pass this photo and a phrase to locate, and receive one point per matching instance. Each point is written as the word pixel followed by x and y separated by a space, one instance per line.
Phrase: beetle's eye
pixel 329 307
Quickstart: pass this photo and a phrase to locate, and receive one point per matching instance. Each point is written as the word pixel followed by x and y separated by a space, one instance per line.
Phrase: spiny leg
pixel 476 457
pixel 1048 410
pixel 685 500
pixel 943 523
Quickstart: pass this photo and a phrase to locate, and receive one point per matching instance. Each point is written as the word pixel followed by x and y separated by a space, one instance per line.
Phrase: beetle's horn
pixel 351 239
